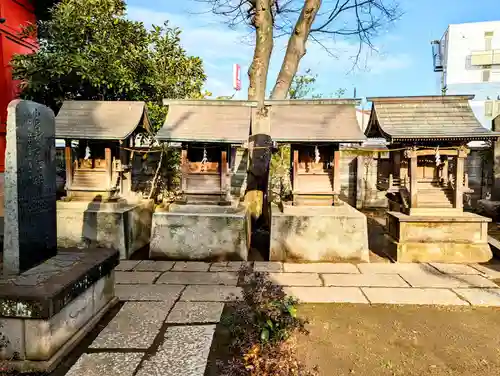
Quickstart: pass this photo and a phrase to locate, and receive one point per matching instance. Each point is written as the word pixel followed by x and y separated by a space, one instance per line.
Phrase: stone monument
pixel 30 187
pixel 50 300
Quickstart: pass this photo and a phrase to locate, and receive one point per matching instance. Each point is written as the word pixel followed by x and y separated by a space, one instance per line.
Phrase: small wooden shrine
pixel 209 131
pixel 315 129
pixel 428 138
pixel 99 167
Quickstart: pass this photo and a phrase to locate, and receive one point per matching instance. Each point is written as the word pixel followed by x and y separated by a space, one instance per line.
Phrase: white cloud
pixel 220 47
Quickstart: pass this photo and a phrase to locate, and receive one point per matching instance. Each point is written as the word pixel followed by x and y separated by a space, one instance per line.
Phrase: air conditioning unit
pixel 437 56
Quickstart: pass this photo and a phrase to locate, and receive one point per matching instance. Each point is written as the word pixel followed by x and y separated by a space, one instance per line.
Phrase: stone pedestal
pixel 313 233
pixel 47 310
pixel 201 232
pixel 122 226
pixel 459 239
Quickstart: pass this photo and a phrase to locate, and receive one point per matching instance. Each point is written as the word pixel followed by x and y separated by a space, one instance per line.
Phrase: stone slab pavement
pixel 167 322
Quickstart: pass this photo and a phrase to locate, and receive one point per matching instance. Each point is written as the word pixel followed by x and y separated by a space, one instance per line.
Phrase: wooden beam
pixel 295 171
pixel 396 163
pixel 459 183
pixel 184 168
pixel 425 152
pixel 413 182
pixel 336 171
pixel 109 165
pixel 223 172
pixel 69 165
pixel 126 178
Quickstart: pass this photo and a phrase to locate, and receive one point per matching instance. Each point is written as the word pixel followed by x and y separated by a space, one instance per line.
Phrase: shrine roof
pixel 223 121
pixel 317 120
pixel 101 120
pixel 448 117
pixel 323 120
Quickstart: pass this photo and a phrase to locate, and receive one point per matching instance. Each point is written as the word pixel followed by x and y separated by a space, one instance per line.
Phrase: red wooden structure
pixel 14 14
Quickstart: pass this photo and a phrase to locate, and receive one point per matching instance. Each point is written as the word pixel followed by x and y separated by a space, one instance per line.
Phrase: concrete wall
pixel 125 227
pixel 200 232
pixel 480 172
pixel 374 171
pixel 348 177
pixel 315 233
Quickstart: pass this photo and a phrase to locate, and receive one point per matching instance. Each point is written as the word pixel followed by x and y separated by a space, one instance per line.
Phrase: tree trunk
pixel 257 73
pixel 260 140
pixel 296 49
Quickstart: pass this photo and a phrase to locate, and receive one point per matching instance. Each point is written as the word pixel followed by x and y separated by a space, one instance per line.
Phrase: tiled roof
pixel 291 121
pixel 100 120
pixel 425 117
pixel 315 120
pixel 206 121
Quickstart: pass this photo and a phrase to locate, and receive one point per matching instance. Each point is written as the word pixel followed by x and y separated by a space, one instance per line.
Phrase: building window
pixel 488 37
pixel 488 108
pixel 486 74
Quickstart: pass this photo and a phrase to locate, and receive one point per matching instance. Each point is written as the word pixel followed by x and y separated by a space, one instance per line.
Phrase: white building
pixel 467 59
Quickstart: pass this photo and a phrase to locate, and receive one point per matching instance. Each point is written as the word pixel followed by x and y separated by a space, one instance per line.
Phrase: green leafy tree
pixel 302 85
pixel 89 50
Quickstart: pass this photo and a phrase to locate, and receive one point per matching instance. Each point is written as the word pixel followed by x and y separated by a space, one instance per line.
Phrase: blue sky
pixel 402 65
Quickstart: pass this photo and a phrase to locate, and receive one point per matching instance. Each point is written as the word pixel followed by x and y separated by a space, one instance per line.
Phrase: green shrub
pixel 262 328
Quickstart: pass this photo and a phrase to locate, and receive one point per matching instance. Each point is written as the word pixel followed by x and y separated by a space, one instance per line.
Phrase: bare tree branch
pixel 357 21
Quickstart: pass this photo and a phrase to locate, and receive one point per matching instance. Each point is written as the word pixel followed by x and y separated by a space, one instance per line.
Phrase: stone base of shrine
pixel 46 311
pixel 315 233
pixel 459 239
pixel 201 232
pixel 125 226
